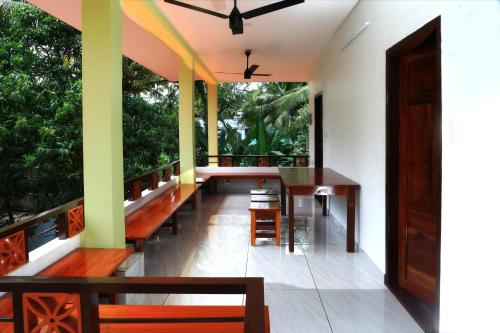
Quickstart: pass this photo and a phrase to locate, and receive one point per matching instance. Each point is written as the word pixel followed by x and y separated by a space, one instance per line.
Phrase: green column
pixel 102 124
pixel 212 125
pixel 186 123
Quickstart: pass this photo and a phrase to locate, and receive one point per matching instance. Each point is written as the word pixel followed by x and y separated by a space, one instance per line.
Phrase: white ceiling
pixel 285 43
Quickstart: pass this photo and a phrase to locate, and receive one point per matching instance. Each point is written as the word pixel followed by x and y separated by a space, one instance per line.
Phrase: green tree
pixel 41 112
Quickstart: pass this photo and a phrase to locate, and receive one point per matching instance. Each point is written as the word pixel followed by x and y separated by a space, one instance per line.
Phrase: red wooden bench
pixel 174 312
pixel 86 262
pixel 142 223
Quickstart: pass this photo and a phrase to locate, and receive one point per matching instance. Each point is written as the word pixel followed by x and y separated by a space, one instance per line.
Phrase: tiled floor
pixel 318 288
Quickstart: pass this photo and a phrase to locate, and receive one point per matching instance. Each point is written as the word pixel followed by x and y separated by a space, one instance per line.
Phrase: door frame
pixel 426 316
pixel 316 129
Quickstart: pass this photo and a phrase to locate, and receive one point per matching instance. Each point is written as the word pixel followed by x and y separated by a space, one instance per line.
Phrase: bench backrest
pixel 76 300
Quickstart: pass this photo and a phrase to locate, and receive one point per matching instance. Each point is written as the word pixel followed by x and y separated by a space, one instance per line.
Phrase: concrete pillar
pixel 102 124
pixel 213 110
pixel 186 123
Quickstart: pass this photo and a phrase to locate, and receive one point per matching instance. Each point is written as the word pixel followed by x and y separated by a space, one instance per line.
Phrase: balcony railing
pixel 67 219
pixel 150 180
pixel 253 160
pixel 22 237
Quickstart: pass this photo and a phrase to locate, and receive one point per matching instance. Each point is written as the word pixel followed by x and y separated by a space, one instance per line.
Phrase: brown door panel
pixel 419 173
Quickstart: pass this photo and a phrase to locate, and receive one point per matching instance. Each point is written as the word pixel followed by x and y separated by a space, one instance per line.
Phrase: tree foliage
pixel 41 112
pixel 276 115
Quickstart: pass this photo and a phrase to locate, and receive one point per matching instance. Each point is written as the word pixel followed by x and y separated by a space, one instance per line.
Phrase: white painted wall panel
pixel 353 85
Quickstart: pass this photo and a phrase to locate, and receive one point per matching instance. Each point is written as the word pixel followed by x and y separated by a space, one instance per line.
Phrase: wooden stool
pixel 265 212
pixel 263 191
pixel 265 198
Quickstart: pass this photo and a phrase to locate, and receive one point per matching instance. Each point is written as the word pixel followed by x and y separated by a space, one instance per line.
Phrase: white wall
pixel 353 86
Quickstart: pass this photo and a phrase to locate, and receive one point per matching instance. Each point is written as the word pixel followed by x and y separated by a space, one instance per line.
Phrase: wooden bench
pixel 142 223
pixel 85 262
pixel 174 312
pixel 74 300
pixel 210 175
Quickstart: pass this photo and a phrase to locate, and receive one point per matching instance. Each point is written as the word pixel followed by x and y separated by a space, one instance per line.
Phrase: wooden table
pixel 305 181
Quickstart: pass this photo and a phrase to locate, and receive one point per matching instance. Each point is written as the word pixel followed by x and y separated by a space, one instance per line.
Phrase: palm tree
pixel 275 105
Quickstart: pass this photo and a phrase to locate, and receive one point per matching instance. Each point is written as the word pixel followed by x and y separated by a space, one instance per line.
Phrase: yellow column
pixel 102 124
pixel 213 148
pixel 186 122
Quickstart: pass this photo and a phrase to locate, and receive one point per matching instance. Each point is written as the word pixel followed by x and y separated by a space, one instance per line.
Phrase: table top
pixel 306 177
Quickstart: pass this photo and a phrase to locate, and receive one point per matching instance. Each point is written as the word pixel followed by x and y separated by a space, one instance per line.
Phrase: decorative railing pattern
pixel 63 221
pixel 150 180
pixel 253 160
pixel 71 304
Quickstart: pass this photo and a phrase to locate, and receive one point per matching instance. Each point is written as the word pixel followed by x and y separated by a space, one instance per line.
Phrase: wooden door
pixel 318 131
pixel 419 171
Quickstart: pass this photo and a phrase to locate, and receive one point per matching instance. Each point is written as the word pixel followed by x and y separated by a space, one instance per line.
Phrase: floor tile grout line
pixel 246 268
pixel 317 290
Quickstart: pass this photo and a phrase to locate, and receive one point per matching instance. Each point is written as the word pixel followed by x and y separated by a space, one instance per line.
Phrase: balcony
pixel 371 232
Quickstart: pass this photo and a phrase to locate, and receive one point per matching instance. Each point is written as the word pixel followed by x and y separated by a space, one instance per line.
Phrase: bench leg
pixel 253 228
pixel 212 185
pixel 174 224
pixel 259 183
pixel 193 201
pixel 113 298
pixel 278 228
pixel 139 245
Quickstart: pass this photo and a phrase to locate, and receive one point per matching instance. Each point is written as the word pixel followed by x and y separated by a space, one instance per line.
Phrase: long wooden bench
pixel 84 262
pixel 210 175
pixel 153 312
pixel 142 223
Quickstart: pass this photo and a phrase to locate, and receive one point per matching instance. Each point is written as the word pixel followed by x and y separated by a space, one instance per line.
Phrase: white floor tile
pixel 374 311
pixel 334 268
pixel 281 269
pixel 218 260
pixel 296 311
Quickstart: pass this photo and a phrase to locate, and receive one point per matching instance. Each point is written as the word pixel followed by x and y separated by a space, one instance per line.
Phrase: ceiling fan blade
pixel 270 8
pixel 199 9
pixel 262 74
pixel 252 69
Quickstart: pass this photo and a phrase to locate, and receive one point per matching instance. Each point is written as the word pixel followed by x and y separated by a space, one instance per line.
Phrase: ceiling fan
pixel 236 17
pixel 249 71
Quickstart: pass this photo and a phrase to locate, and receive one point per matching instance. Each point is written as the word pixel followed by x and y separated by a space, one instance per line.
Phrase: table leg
pixel 291 223
pixel 351 220
pixel 277 228
pixel 253 227
pixel 283 198
pixel 174 224
pixel 193 201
